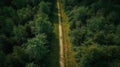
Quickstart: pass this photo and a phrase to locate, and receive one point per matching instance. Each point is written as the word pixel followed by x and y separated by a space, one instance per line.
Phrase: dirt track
pixel 60 35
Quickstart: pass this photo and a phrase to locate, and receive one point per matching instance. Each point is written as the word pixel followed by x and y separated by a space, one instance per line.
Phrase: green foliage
pixel 7 11
pixel 36 47
pixel 78 17
pixel 24 14
pixel 17 59
pixel 23 23
pixel 19 34
pixel 79 13
pixel 95 22
pixel 69 4
pixel 32 65
pixel 112 18
pixel 19 3
pixel 6 25
pixel 44 7
pixel 100 56
pixel 97 19
pixel 78 37
pixel 33 2
pixel 41 24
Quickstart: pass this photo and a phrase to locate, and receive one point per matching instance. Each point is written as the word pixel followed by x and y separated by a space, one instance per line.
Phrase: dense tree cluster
pixel 25 32
pixel 98 56
pixel 95 31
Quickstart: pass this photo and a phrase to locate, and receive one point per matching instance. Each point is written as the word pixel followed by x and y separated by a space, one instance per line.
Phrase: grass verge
pixel 69 54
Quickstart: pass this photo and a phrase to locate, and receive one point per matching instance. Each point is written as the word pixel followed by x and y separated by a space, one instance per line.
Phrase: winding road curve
pixel 60 35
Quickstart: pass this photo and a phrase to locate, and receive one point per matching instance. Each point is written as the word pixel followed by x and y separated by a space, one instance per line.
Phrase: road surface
pixel 60 35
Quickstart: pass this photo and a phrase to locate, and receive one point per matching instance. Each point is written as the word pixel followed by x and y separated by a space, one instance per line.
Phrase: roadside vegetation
pixel 94 31
pixel 69 54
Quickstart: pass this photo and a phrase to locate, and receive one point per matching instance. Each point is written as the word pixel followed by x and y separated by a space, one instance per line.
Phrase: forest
pixel 27 30
pixel 94 31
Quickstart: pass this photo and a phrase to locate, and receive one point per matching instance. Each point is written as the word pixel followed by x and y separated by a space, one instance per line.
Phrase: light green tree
pixel 36 48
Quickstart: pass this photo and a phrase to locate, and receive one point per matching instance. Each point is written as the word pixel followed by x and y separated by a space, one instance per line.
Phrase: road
pixel 60 35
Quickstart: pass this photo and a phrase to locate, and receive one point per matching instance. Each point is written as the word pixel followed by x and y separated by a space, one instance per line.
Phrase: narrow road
pixel 60 35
